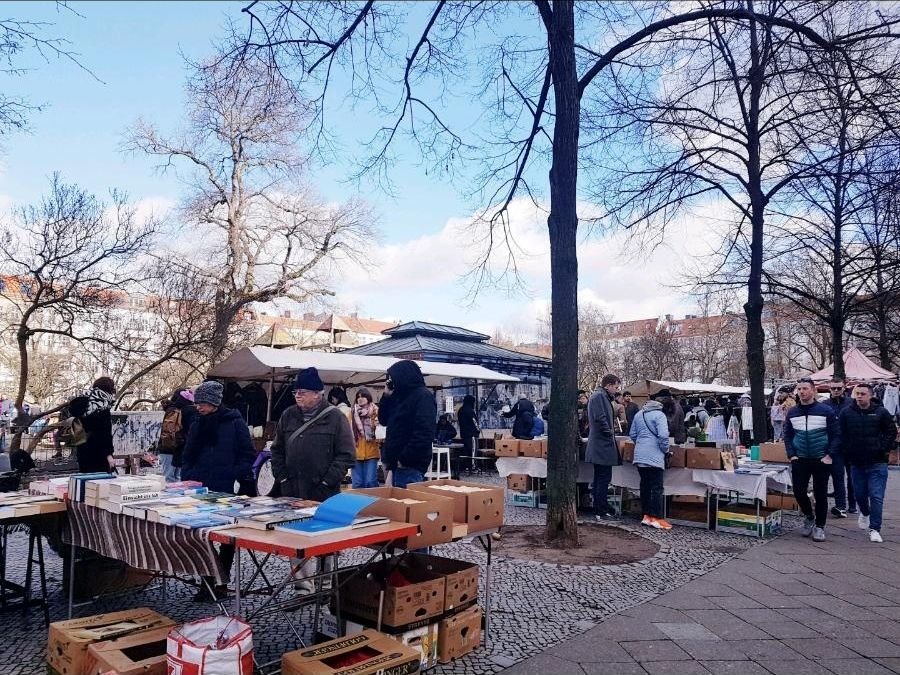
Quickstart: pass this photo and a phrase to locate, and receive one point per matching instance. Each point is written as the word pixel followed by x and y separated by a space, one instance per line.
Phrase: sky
pixel 134 55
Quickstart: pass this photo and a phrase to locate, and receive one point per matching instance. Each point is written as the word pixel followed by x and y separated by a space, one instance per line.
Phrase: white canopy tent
pixel 643 389
pixel 266 364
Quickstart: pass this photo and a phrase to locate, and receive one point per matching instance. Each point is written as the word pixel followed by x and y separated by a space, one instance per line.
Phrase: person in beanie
pixel 868 434
pixel 218 452
pixel 93 410
pixel 313 446
pixel 410 428
pixel 180 409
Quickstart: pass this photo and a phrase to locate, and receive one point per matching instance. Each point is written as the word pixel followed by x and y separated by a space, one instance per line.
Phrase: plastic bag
pixel 219 645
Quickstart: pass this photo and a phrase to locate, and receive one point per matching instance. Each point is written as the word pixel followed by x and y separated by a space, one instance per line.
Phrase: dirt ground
pixel 600 545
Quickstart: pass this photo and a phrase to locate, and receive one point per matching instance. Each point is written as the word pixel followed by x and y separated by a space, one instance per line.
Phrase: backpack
pixel 172 434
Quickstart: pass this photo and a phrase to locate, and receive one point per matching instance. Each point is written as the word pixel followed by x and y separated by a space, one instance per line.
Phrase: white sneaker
pixel 875 537
pixel 808 526
pixel 863 522
pixel 818 534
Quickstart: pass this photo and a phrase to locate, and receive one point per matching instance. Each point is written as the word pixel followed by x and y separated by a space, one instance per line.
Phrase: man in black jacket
pixel 868 434
pixel 523 412
pixel 410 424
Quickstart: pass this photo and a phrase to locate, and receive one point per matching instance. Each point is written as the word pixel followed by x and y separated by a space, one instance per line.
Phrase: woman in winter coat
pixel 364 472
pixel 674 416
pixel 650 433
pixel 218 453
pixel 93 410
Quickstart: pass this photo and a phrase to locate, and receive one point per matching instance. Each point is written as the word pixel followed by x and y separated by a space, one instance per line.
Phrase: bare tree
pixel 712 341
pixel 595 357
pixel 69 257
pixel 532 83
pixel 656 355
pixel 269 237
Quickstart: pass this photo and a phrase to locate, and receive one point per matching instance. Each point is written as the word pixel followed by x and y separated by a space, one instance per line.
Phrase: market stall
pixel 644 389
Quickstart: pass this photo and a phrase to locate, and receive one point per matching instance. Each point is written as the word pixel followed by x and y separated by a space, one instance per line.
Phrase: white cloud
pixel 627 278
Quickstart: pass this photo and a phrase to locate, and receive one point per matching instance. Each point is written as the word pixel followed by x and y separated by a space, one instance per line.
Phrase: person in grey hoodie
pixel 650 433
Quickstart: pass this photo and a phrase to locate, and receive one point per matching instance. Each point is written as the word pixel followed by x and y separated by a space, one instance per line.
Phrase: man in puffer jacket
pixel 811 438
pixel 410 425
pixel 868 434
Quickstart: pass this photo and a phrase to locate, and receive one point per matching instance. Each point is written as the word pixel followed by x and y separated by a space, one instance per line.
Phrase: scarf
pixel 363 426
pixel 98 400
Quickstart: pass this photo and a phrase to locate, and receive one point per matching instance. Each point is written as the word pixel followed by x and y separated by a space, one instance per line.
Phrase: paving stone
pixel 686 631
pixel 843 629
pixel 605 669
pixel 655 650
pixel 541 665
pixel 734 668
pixel 796 667
pixel 780 601
pixel 819 648
pixel 656 613
pixel 624 628
pixel 760 616
pixel 872 647
pixel 788 629
pixel 736 601
pixel 760 650
pixel 857 667
pixel 674 668
pixel 891 664
pixel 583 651
pixel 713 650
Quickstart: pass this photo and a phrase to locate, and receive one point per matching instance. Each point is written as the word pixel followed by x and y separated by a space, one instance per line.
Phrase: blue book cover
pixel 340 512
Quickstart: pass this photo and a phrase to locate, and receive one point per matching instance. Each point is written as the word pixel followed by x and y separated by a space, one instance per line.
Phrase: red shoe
pixel 648 521
pixel 663 524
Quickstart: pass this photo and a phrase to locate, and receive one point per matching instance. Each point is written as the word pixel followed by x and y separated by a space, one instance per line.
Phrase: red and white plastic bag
pixel 219 645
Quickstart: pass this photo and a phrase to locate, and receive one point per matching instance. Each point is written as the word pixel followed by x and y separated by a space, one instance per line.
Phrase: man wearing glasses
pixel 840 470
pixel 811 438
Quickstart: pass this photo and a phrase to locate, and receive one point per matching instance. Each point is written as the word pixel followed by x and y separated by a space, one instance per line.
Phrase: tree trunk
pixel 837 347
pixel 753 308
pixel 22 343
pixel 562 458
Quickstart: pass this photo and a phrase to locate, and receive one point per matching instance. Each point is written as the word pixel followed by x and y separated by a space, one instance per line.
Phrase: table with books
pixel 19 510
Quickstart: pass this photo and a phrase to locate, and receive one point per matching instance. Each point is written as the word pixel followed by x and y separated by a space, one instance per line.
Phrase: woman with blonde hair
pixel 364 472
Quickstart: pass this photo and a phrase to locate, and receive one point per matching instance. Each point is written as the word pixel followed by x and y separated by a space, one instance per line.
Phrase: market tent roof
pixel 263 363
pixel 857 367
pixel 650 387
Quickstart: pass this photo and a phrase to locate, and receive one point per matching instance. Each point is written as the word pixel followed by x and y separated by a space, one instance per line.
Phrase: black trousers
pixel 652 490
pixel 801 471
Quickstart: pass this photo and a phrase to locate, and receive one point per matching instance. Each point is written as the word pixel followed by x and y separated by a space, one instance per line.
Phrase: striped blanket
pixel 142 544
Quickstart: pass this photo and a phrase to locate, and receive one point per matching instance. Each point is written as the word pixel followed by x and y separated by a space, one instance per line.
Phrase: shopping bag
pixel 219 645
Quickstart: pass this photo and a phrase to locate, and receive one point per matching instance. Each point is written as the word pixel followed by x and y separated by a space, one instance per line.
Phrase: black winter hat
pixel 309 379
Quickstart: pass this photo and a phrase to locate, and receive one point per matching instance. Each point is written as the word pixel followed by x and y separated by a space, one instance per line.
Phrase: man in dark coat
pixel 467 416
pixel 410 426
pixel 841 479
pixel 523 412
pixel 93 410
pixel 868 434
pixel 314 446
pixel 602 450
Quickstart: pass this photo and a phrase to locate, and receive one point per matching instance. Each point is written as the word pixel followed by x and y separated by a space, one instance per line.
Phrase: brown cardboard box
pixel 421 599
pixel 142 653
pixel 530 448
pixel 479 506
pixel 626 449
pixel 423 639
pixel 507 447
pixel 773 452
pixel 678 457
pixel 431 512
pixel 384 655
pixel 777 500
pixel 688 499
pixel 518 482
pixel 544 443
pixel 68 641
pixel 458 635
pixel 703 458
pixel 460 577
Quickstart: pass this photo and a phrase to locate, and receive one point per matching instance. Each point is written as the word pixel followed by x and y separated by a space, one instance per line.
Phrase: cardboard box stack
pixel 365 653
pixel 69 642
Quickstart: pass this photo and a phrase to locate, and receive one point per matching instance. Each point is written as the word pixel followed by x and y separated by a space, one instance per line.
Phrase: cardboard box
pixel 689 514
pixel 458 635
pixel 142 653
pixel 366 653
pixel 739 519
pixel 518 482
pixel 703 458
pixel 626 449
pixel 68 641
pixel 531 498
pixel 423 639
pixel 421 599
pixel 507 447
pixel 544 444
pixel 773 453
pixel 785 502
pixel 678 457
pixel 431 512
pixel 460 578
pixel 479 506
pixel 530 448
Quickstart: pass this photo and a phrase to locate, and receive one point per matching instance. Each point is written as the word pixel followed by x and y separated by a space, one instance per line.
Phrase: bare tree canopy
pixel 266 235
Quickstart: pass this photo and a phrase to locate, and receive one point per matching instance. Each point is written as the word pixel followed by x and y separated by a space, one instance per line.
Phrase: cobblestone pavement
pixel 535 606
pixel 789 607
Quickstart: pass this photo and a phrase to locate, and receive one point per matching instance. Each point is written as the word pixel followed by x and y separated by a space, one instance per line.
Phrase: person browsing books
pixel 313 445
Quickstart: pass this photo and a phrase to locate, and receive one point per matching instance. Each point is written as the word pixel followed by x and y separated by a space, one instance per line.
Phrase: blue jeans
pixel 364 474
pixel 870 483
pixel 404 476
pixel 602 477
pixel 172 473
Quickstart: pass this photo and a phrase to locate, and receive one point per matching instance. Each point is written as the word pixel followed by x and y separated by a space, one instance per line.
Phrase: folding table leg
pixel 237 583
pixel 43 573
pixel 71 575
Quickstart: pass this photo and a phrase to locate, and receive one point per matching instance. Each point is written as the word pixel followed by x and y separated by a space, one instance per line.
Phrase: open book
pixel 337 513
